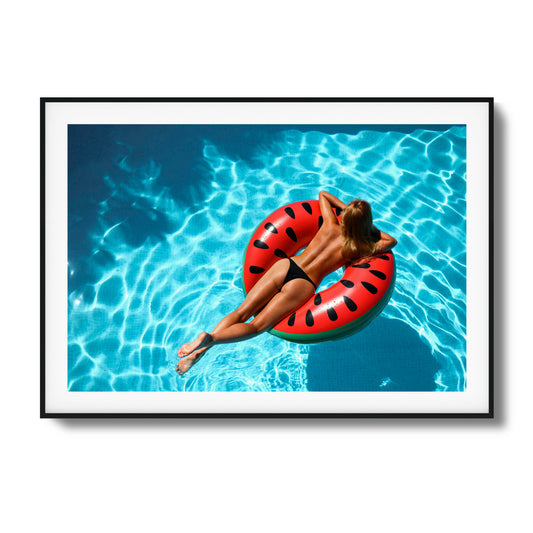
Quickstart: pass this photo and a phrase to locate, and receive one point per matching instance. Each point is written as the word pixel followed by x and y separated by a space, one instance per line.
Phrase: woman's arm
pixel 326 207
pixel 333 200
pixel 386 242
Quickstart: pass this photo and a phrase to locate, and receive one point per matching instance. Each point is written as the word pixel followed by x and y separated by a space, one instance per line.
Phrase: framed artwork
pixel 192 267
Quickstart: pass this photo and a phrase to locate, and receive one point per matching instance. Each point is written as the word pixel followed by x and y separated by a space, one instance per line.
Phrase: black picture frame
pixel 486 111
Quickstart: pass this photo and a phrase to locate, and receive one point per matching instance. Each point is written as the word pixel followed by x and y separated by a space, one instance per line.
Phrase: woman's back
pixel 323 254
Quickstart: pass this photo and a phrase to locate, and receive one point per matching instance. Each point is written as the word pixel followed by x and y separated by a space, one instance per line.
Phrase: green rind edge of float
pixel 344 331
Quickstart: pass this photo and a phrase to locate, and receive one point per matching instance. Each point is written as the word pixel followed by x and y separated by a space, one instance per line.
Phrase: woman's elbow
pixel 389 244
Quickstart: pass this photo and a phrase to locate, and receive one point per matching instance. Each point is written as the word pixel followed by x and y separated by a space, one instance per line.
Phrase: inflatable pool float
pixel 336 312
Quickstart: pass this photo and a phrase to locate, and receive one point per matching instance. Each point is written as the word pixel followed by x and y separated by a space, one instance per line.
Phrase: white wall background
pixel 199 476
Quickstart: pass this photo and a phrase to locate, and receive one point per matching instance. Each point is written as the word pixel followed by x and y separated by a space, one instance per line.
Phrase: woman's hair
pixel 356 229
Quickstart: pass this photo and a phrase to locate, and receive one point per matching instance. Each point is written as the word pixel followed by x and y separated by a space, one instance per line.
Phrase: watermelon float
pixel 338 311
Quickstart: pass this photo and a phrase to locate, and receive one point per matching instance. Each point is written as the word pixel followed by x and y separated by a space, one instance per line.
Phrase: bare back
pixel 323 254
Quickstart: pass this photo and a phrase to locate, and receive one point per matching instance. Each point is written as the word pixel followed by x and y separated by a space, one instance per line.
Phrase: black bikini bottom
pixel 295 272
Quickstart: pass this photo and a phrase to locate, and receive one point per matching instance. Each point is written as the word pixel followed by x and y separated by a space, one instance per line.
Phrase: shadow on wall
pixel 388 355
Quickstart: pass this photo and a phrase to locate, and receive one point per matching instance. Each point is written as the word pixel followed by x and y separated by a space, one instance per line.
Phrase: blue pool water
pixel 159 217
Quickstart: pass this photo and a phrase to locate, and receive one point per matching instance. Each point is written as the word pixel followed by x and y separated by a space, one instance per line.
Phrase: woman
pixel 290 282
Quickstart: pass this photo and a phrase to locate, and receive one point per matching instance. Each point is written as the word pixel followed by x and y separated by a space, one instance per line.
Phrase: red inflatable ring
pixel 338 311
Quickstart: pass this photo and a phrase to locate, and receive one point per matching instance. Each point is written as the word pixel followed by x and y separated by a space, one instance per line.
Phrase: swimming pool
pixel 159 217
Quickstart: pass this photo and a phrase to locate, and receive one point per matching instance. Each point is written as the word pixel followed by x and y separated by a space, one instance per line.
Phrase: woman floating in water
pixel 292 281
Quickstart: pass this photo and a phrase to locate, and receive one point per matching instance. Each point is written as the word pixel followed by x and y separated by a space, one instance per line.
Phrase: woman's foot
pixel 189 347
pixel 186 362
pixel 197 348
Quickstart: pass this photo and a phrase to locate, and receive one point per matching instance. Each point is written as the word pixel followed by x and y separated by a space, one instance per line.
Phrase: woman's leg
pixel 255 300
pixel 291 296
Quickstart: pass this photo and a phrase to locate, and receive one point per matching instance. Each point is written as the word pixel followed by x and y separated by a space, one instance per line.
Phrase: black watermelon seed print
pixel 332 314
pixel 347 283
pixel 309 320
pixel 261 244
pixel 338 211
pixel 320 221
pixel 270 227
pixel 280 253
pixel 256 270
pixel 307 207
pixel 350 304
pixel 378 274
pixel 318 299
pixel 291 234
pixel 290 212
pixel 292 318
pixel 369 287
pixel 386 257
pixel 364 265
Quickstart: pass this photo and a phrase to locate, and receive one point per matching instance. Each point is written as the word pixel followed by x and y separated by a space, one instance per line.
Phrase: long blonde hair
pixel 356 229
